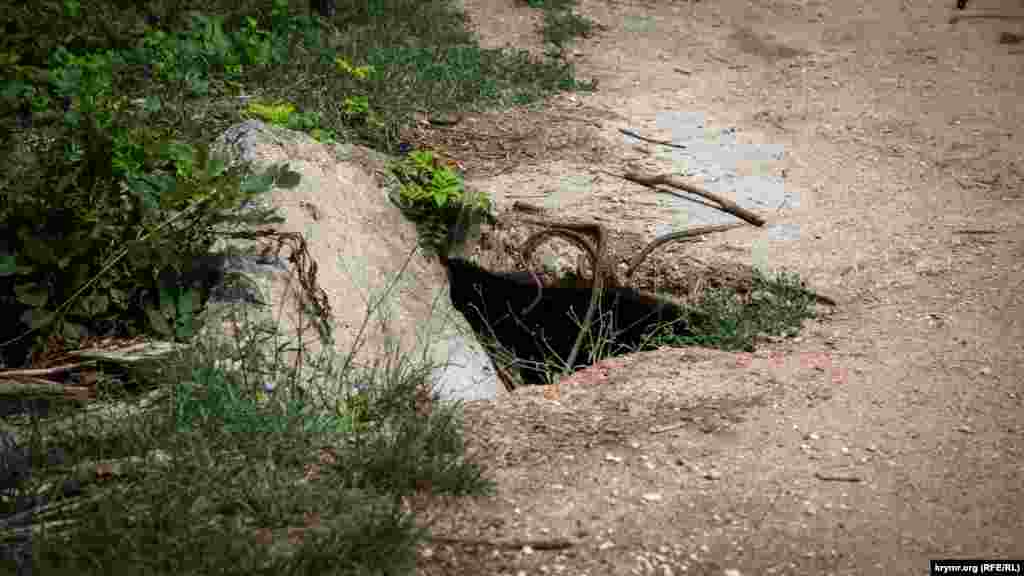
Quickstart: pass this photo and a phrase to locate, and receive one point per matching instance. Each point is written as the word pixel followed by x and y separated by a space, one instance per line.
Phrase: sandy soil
pixel 891 431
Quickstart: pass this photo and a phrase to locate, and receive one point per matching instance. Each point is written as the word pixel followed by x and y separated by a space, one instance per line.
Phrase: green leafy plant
pixel 256 44
pixel 86 252
pixel 433 196
pixel 274 113
pixel 358 72
pixel 176 314
pixel 286 115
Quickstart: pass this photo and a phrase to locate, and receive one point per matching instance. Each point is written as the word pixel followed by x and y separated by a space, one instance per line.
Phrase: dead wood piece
pixel 975 231
pixel 724 204
pixel 978 15
pixel 1010 38
pixel 837 477
pixel 652 140
pixel 552 544
pixel 526 207
pixel 29 385
pixel 43 371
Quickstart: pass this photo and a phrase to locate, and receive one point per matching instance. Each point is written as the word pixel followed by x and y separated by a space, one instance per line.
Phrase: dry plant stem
pixel 552 544
pixel 987 15
pixel 25 385
pixel 44 371
pixel 836 477
pixel 690 236
pixel 681 236
pixel 651 140
pixel 505 375
pixel 570 230
pixel 726 205
pixel 535 240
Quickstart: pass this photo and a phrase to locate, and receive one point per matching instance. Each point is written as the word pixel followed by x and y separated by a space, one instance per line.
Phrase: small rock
pixel 731 572
pixel 652 497
pixel 613 458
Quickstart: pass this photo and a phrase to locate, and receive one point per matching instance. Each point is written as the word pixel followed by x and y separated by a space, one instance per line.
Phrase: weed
pixel 111 197
pixel 722 319
pixel 561 24
pixel 433 197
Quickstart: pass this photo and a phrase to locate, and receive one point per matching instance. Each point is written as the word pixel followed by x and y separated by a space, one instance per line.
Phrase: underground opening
pixel 533 328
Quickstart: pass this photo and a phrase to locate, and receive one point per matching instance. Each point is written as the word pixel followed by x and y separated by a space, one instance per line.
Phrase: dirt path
pixel 891 431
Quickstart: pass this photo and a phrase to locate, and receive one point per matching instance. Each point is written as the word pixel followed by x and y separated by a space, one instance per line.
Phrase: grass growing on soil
pixel 724 319
pixel 223 459
pixel 231 465
pixel 561 25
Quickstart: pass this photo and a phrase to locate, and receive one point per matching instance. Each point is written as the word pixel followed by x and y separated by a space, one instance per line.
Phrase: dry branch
pixel 984 15
pixel 689 235
pixel 724 204
pixel 31 385
pixel 574 233
pixel 43 371
pixel 651 140
pixel 837 477
pixel 552 544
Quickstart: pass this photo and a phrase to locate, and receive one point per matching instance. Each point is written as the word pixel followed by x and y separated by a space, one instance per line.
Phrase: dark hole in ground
pixel 494 305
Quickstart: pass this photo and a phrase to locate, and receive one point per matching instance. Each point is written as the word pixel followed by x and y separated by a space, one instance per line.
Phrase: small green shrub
pixel 432 195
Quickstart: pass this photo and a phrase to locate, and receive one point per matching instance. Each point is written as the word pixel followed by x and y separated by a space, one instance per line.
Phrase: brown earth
pixel 891 431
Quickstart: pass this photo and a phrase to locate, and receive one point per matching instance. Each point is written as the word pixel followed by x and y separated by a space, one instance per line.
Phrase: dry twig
pixel 652 140
pixel 724 204
pixel 551 544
